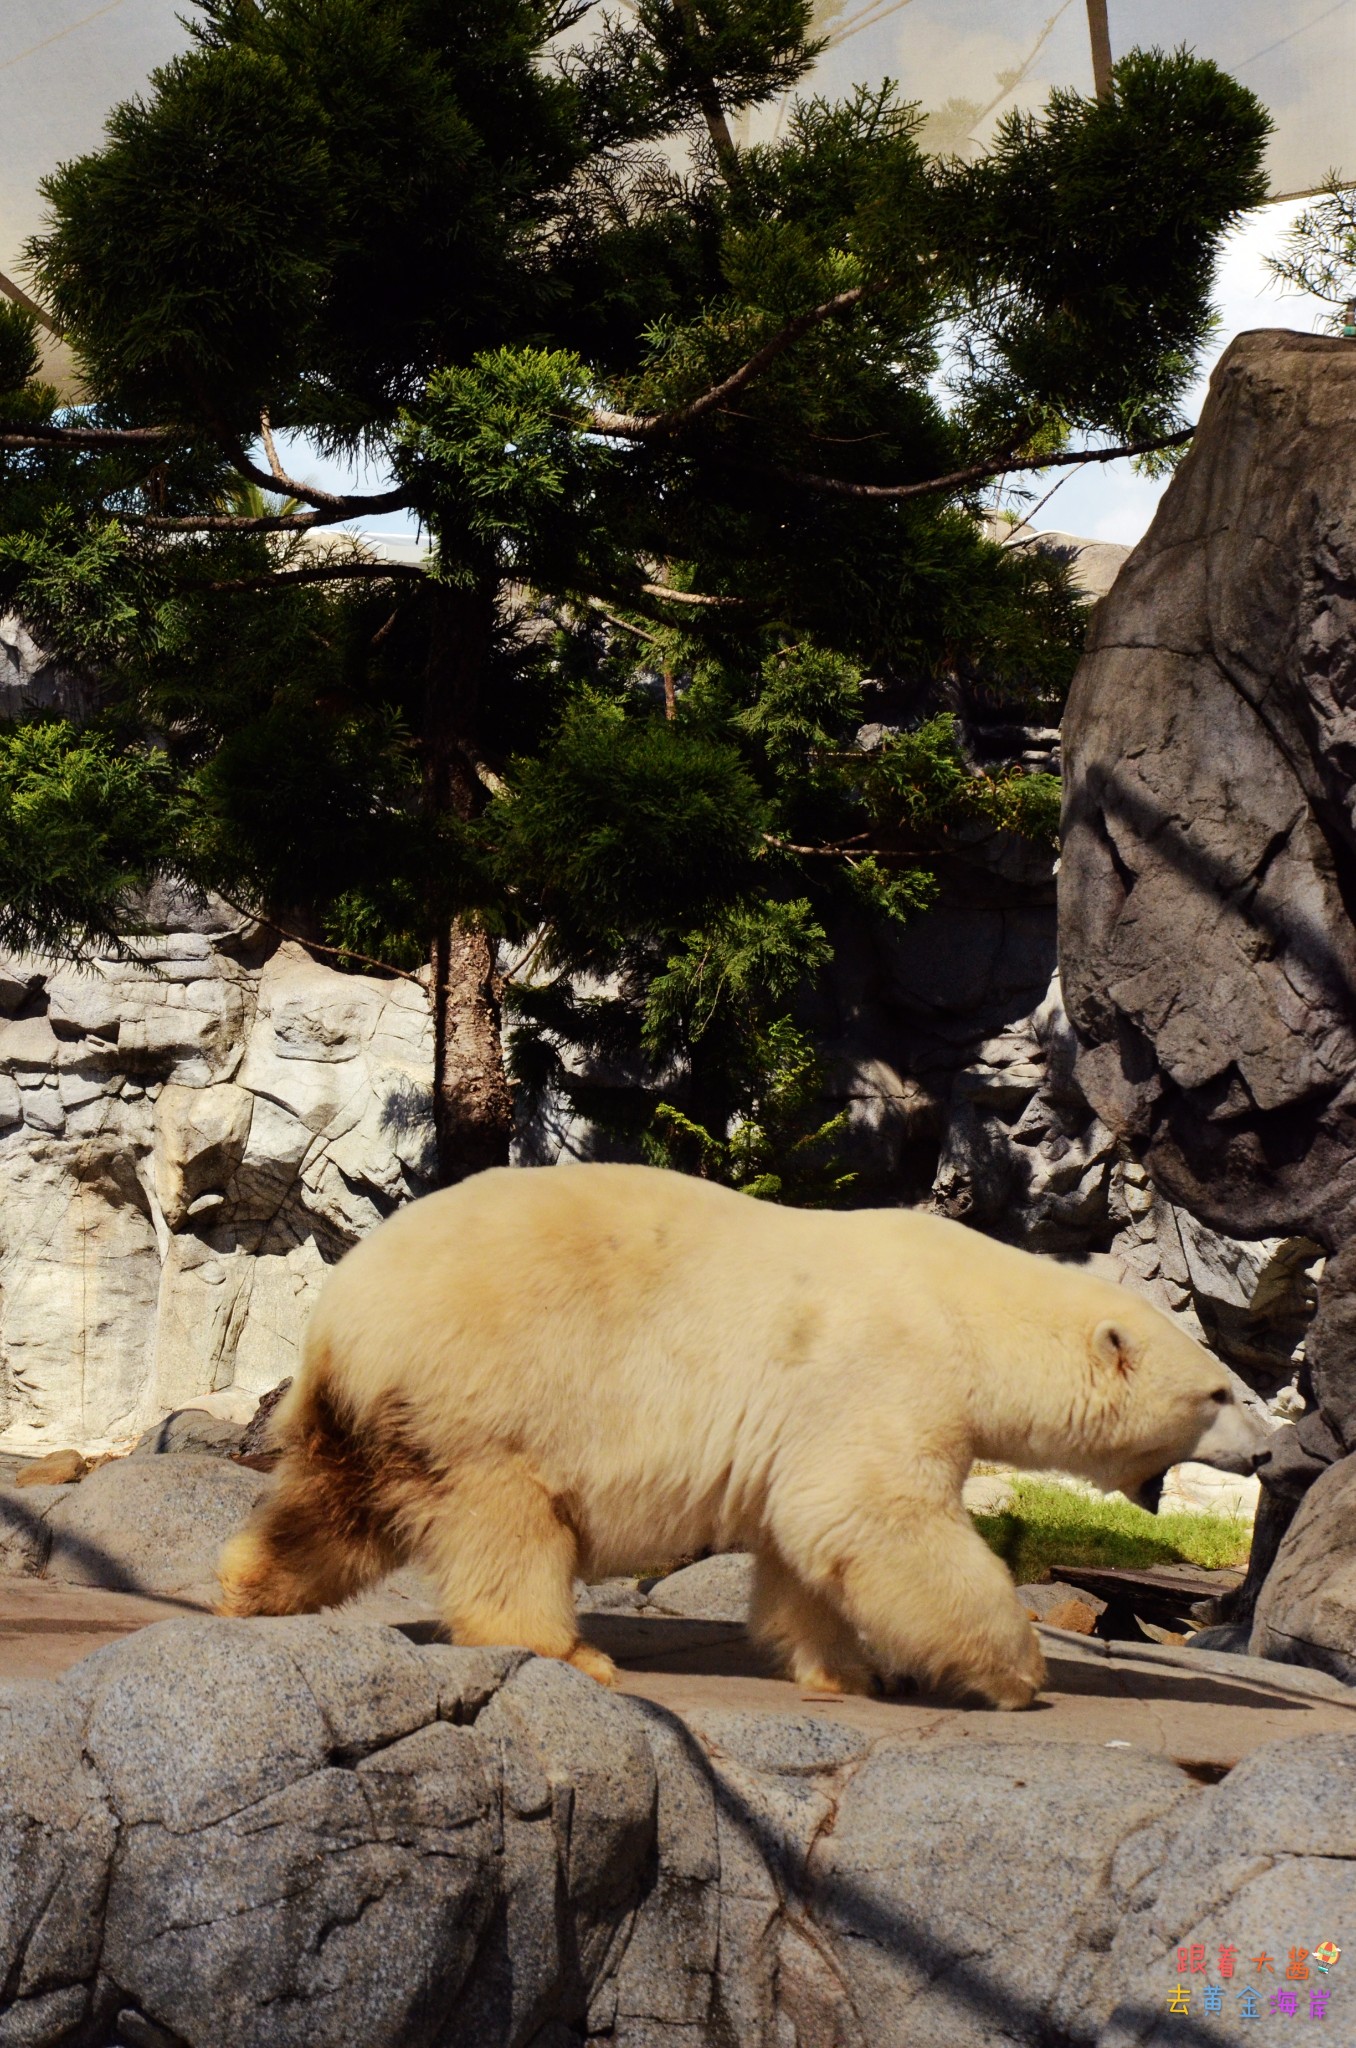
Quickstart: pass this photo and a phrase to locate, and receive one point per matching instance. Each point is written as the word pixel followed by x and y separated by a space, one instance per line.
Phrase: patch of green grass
pixel 1049 1524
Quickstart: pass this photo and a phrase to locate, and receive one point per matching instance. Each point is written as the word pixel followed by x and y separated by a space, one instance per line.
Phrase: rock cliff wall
pixel 1208 894
pixel 185 1145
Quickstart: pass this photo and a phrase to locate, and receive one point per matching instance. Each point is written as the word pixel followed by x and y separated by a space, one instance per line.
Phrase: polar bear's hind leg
pixel 330 1524
pixel 502 1553
pixel 807 1634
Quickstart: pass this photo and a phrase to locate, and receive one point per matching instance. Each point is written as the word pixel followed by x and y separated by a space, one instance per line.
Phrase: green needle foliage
pixel 1319 255
pixel 697 429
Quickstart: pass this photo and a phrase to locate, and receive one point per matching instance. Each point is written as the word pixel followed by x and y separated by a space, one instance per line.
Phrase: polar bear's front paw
pixel 1015 1688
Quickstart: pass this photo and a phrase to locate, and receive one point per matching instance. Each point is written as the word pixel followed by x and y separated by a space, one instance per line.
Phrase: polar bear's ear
pixel 1111 1347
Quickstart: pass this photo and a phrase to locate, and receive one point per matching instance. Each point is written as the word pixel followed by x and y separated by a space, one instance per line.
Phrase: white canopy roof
pixel 63 63
pixel 970 61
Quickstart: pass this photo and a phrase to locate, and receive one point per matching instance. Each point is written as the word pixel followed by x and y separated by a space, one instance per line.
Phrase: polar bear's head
pixel 1167 1400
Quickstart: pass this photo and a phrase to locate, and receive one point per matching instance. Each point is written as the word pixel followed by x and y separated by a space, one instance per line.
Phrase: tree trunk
pixel 472 1104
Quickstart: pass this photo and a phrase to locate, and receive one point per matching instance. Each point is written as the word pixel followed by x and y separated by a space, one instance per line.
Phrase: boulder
pixel 1267 1854
pixel 58 1468
pixel 1206 940
pixel 713 1589
pixel 1043 1601
pixel 257 1440
pixel 149 1525
pixel 194 1430
pixel 1306 1611
pixel 934 1951
pixel 25 1538
pixel 304 1833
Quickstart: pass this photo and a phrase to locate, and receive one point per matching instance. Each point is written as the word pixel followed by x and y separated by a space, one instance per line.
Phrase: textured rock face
pixel 1025 1156
pixel 300 1832
pixel 1306 1611
pixel 138 1525
pixel 185 1146
pixel 1206 893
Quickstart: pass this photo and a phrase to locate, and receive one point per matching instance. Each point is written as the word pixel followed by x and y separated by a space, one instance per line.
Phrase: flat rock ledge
pixel 305 1832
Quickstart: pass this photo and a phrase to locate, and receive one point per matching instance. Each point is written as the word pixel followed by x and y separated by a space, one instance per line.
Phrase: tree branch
pixel 395 500
pixel 18 434
pixel 21 298
pixel 488 778
pixel 632 426
pixel 713 113
pixel 314 945
pixel 846 849
pixel 977 472
pixel 693 597
pixel 596 604
pixel 228 522
pixel 270 447
pixel 323 572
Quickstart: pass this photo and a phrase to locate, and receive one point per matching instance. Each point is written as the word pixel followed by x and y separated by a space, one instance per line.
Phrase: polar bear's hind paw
pixel 593 1663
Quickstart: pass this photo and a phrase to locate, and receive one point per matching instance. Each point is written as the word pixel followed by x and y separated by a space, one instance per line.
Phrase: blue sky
pixel 1109 501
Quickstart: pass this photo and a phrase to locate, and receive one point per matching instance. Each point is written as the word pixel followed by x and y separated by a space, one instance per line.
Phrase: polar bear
pixel 578 1370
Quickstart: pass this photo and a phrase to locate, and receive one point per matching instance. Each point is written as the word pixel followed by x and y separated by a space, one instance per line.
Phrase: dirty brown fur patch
pixel 361 1478
pixel 350 1499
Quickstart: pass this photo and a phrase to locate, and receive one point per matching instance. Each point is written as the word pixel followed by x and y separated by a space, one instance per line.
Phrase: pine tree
pixel 697 430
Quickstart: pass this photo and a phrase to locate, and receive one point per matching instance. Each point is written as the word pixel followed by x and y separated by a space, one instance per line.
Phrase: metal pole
pixel 1100 35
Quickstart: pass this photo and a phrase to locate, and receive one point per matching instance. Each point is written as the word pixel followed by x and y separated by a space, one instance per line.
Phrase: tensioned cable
pixel 8 63
pixel 1281 41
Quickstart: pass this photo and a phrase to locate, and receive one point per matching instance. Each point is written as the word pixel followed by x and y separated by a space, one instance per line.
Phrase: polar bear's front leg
pixel 804 1631
pixel 932 1602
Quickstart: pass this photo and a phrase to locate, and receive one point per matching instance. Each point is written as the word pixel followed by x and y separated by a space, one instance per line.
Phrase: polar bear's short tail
pixel 327 1527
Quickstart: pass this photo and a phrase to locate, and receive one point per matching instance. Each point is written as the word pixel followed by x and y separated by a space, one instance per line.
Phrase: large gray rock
pixel 152 1525
pixel 1263 1862
pixel 302 1834
pixel 1207 948
pixel 191 1430
pixel 932 1951
pixel 1306 1611
pixel 713 1589
pixel 57 1837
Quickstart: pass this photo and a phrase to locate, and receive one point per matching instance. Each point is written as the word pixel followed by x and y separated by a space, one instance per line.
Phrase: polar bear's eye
pixel 1221 1394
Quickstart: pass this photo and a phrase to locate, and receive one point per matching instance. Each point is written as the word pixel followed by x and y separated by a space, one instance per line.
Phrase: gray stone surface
pixel 1041 1599
pixel 1306 1611
pixel 25 1538
pixel 934 1954
pixel 148 1525
pixel 191 1430
pixel 316 1833
pixel 1208 952
pixel 1266 1854
pixel 713 1589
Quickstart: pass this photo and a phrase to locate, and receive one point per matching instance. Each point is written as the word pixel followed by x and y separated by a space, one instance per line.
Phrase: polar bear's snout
pixel 1231 1441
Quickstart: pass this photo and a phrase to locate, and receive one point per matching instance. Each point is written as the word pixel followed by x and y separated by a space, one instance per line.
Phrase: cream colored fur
pixel 607 1365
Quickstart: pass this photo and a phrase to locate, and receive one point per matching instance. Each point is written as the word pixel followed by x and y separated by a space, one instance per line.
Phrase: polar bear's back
pixel 653 1343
